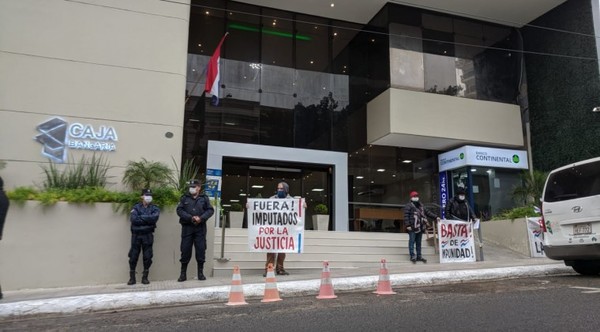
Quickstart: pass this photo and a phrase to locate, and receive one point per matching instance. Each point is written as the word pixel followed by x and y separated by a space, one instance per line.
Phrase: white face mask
pixel 461 197
pixel 193 190
pixel 415 199
pixel 148 199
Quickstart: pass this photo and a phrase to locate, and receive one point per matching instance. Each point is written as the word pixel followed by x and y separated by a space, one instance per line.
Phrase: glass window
pixel 243 24
pixel 312 43
pixel 277 38
pixel 203 19
pixel 576 182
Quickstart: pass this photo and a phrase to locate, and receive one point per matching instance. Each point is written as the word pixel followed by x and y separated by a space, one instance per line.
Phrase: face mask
pixel 461 197
pixel 281 194
pixel 193 190
pixel 415 199
pixel 148 199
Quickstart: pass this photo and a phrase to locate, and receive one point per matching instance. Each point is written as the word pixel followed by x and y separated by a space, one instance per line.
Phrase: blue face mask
pixel 281 194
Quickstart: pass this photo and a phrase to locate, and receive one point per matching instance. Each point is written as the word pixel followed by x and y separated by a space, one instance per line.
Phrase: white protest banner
pixel 534 233
pixel 276 225
pixel 456 241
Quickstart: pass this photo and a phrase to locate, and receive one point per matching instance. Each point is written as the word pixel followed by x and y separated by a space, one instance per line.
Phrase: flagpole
pixel 195 85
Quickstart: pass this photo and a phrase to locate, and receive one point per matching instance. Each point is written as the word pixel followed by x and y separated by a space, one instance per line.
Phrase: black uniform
pixel 3 211
pixel 192 234
pixel 143 222
pixel 459 210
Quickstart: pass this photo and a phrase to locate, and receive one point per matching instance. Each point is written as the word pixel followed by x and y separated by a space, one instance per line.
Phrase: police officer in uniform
pixel 143 218
pixel 4 203
pixel 194 210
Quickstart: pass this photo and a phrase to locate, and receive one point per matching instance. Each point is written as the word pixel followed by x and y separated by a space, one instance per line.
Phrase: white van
pixel 571 215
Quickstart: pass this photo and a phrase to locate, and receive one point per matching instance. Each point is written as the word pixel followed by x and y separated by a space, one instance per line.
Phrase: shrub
pixel 179 179
pixel 76 175
pixel 321 209
pixel 146 174
pixel 518 212
pixel 236 207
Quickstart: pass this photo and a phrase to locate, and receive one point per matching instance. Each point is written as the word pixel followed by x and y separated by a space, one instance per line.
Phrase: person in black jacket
pixel 193 210
pixel 458 208
pixel 415 220
pixel 4 203
pixel 143 218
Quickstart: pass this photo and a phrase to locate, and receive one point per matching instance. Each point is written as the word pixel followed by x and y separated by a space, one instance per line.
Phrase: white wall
pixel 68 245
pixel 98 62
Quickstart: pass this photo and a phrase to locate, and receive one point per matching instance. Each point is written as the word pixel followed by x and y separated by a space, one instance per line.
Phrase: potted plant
pixel 321 217
pixel 236 215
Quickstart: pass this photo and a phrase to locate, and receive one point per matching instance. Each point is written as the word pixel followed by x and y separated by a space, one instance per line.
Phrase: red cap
pixel 413 194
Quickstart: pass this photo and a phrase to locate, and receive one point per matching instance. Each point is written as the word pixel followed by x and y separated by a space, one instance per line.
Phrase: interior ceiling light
pixel 360 177
pixel 381 170
pixel 318 189
pixel 407 161
pixel 258 186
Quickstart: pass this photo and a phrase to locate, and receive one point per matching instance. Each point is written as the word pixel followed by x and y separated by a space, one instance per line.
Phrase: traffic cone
pixel 384 287
pixel 236 293
pixel 326 290
pixel 271 292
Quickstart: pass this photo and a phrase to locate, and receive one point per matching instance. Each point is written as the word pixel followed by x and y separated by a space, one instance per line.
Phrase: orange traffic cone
pixel 271 292
pixel 236 293
pixel 384 287
pixel 326 291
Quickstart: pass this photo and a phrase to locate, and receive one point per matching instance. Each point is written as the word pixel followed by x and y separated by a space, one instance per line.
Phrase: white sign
pixel 534 233
pixel 480 156
pixel 56 135
pixel 456 241
pixel 276 225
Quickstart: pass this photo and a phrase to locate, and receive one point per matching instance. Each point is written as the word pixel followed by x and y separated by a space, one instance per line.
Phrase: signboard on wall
pixel 482 156
pixel 276 225
pixel 443 193
pixel 57 136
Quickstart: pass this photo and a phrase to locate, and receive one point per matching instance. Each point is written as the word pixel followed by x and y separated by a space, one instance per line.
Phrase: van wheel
pixel 586 269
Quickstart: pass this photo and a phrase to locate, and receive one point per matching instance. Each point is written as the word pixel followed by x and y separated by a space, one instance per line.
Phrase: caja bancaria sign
pixel 57 135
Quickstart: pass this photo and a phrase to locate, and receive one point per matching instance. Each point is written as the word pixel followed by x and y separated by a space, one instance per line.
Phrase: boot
pixel 183 275
pixel 131 277
pixel 422 259
pixel 145 280
pixel 200 271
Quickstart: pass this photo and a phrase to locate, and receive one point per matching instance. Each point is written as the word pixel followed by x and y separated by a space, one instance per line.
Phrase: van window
pixel 575 182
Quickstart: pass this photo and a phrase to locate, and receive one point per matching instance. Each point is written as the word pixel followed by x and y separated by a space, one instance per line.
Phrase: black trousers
pixel 193 236
pixel 144 243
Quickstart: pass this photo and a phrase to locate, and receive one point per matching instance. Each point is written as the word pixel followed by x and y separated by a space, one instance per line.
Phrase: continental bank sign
pixel 481 156
pixel 57 136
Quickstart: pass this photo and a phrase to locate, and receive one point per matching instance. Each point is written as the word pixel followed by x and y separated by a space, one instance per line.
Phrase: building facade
pixel 354 105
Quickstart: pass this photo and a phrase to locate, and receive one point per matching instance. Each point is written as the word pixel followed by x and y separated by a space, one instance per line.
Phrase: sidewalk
pixel 499 263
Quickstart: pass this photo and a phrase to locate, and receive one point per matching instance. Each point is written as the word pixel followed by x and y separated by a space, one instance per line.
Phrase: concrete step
pixel 343 250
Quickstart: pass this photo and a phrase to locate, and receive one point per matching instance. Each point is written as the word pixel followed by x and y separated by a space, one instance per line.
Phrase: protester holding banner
pixel 458 208
pixel 283 190
pixel 415 220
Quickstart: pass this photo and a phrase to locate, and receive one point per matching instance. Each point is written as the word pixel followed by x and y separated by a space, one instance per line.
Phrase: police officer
pixel 4 203
pixel 193 210
pixel 143 218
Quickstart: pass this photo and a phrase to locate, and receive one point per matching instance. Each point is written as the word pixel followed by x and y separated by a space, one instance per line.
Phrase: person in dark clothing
pixel 415 220
pixel 194 210
pixel 4 203
pixel 143 218
pixel 458 208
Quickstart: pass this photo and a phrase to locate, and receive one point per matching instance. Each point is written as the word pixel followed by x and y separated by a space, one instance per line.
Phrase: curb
pixel 138 300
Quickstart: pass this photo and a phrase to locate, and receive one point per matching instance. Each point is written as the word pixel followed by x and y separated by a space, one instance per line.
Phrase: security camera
pixel 596 109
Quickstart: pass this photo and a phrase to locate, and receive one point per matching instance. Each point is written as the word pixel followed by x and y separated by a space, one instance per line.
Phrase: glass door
pixel 243 179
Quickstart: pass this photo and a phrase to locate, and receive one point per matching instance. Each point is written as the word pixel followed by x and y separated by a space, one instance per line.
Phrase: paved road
pixel 564 303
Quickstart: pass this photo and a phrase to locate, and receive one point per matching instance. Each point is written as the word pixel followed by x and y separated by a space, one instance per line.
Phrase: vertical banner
pixel 534 233
pixel 456 241
pixel 213 183
pixel 443 193
pixel 276 225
